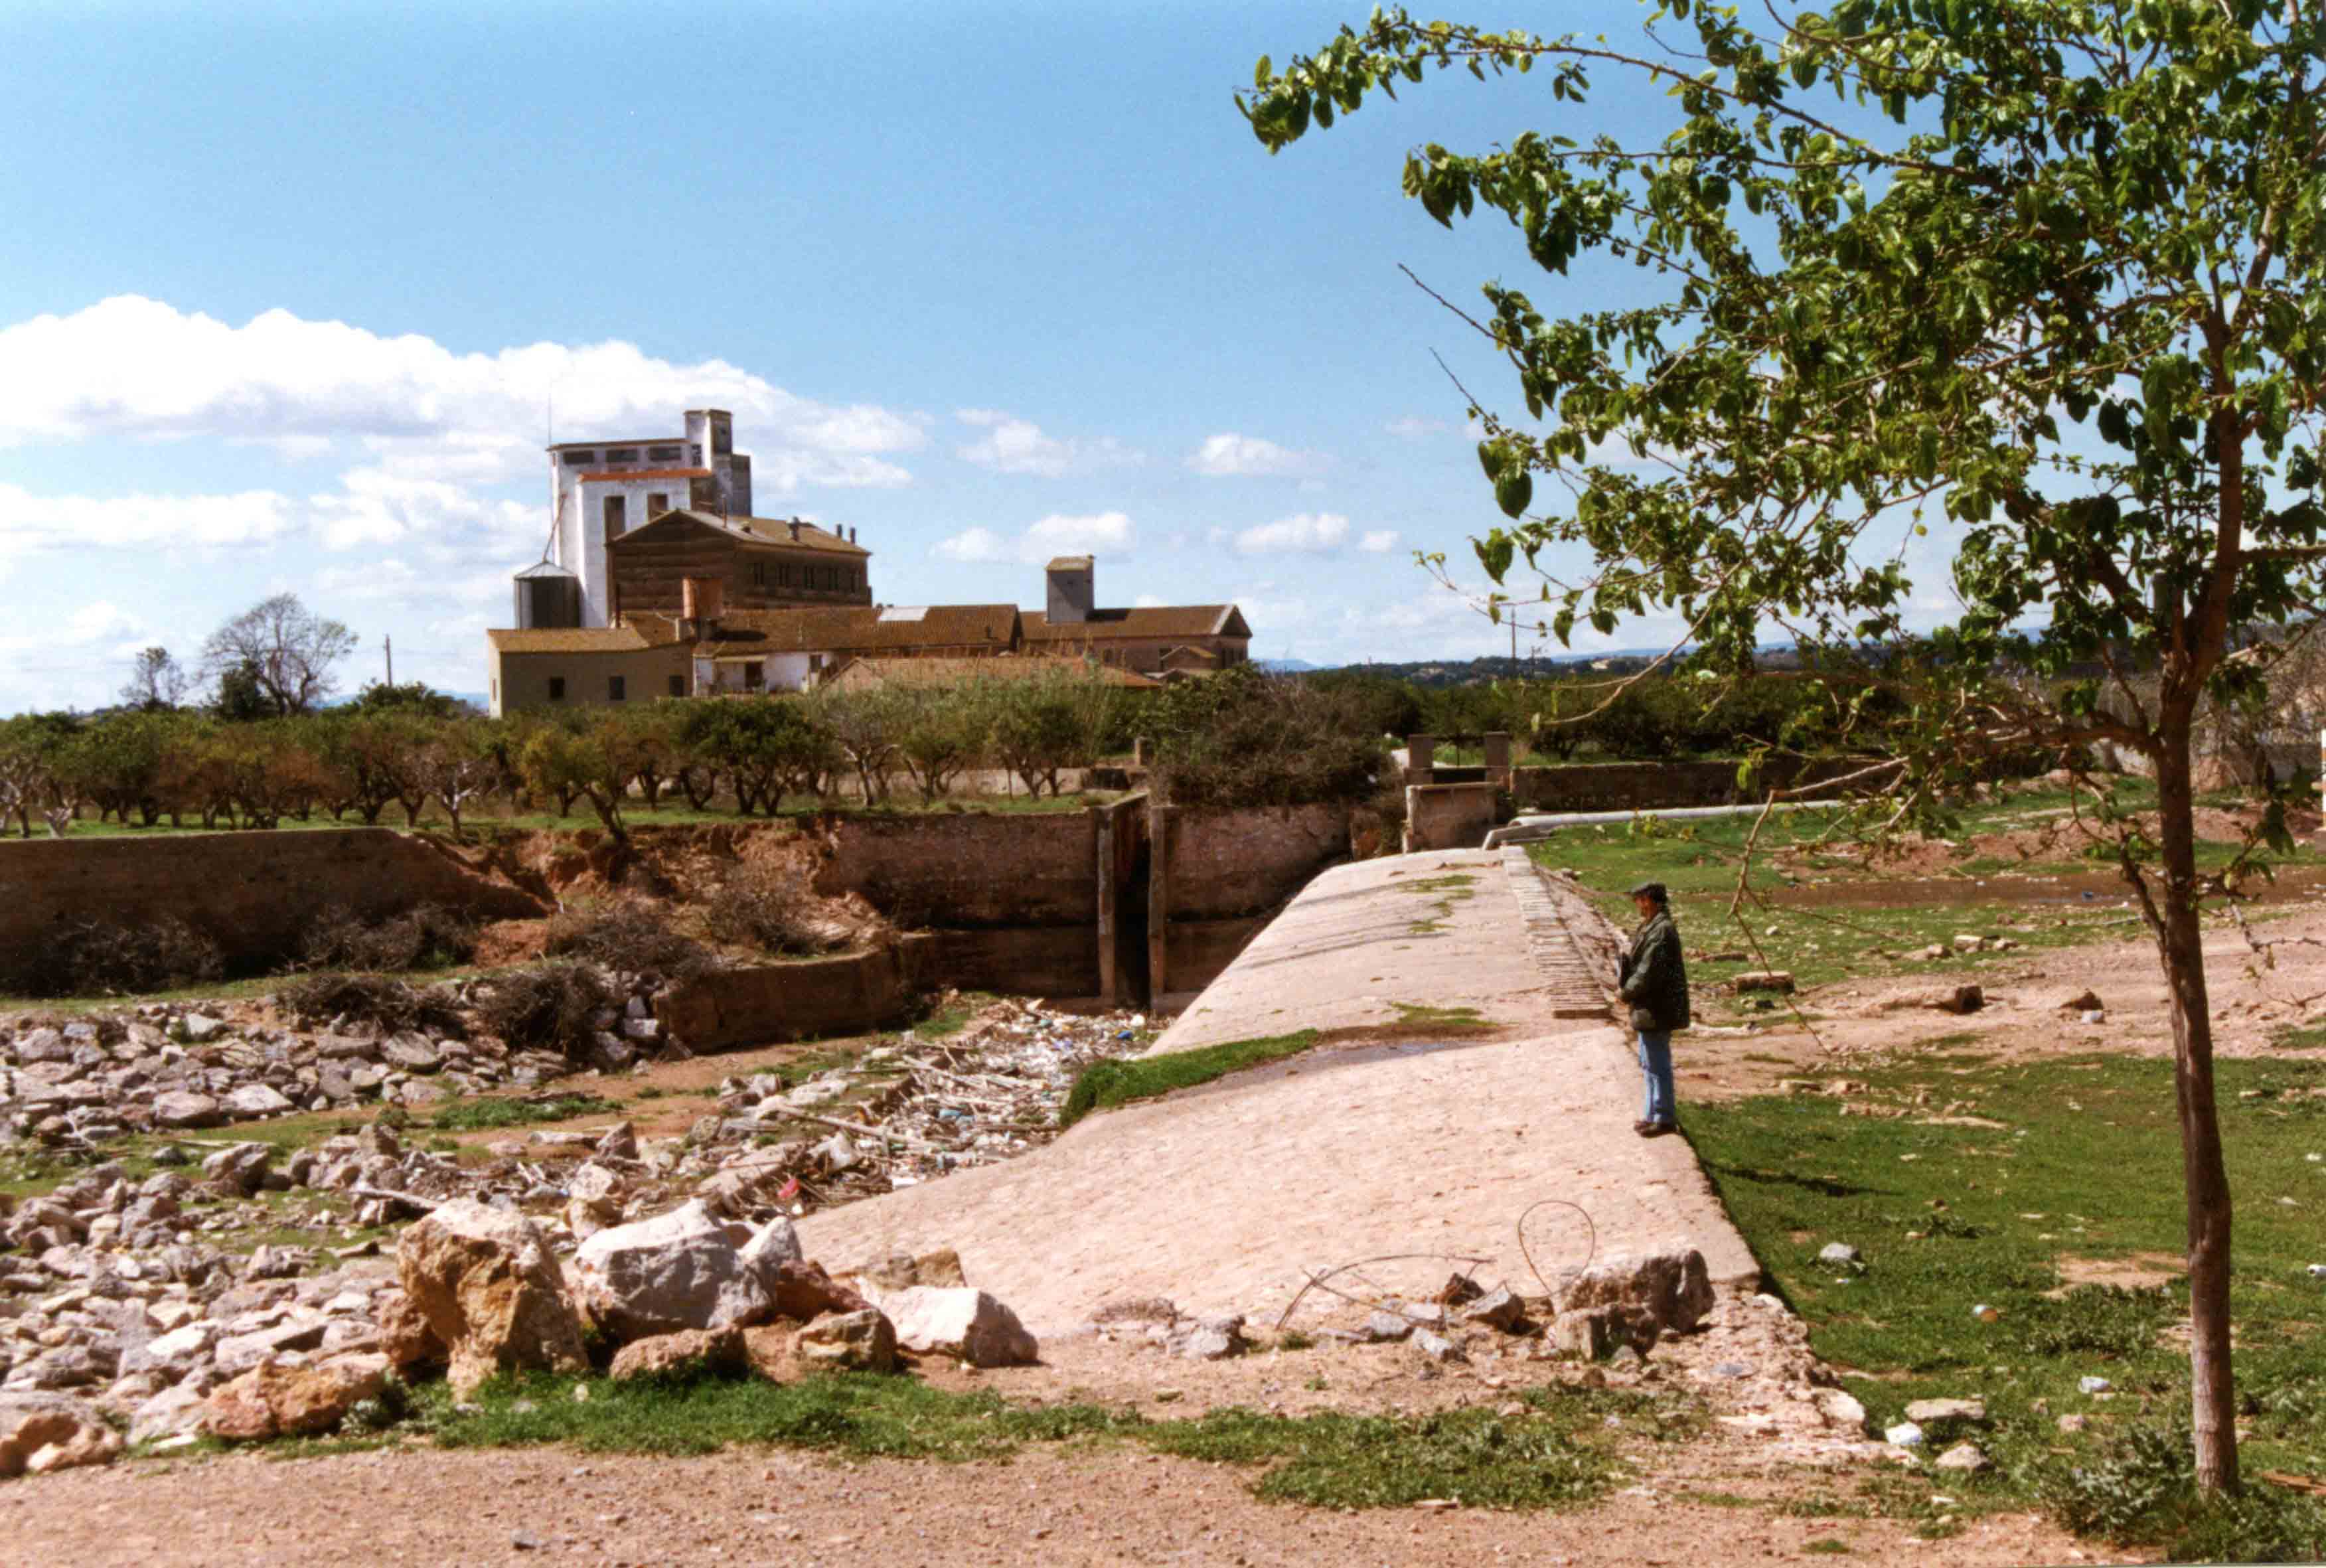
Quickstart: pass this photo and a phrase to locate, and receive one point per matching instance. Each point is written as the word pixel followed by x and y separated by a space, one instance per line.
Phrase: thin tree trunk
pixel 2205 1179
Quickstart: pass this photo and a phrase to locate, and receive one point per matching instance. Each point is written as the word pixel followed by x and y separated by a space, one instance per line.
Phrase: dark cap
pixel 1651 891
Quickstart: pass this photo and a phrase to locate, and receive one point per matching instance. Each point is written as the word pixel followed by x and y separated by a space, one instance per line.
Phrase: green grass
pixel 1104 1084
pixel 489 1111
pixel 1444 892
pixel 2303 1037
pixel 2086 1165
pixel 1565 1449
pixel 955 1016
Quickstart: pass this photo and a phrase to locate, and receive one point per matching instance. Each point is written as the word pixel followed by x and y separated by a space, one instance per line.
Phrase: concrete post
pixel 1421 758
pixel 1103 849
pixel 1498 759
pixel 1158 899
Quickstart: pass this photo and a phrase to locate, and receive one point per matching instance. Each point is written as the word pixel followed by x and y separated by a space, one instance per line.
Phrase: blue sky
pixel 290 289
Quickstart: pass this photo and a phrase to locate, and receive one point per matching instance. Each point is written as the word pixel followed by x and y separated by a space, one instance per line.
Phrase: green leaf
pixel 1514 490
pixel 1490 458
pixel 1262 71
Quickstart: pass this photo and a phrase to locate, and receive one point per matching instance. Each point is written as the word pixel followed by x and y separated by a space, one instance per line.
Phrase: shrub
pixel 102 958
pixel 552 1007
pixel 424 936
pixel 1242 738
pixel 773 910
pixel 389 1006
pixel 631 935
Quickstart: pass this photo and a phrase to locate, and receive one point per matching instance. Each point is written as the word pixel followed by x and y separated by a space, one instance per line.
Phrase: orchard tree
pixel 2043 274
pixel 157 682
pixel 284 649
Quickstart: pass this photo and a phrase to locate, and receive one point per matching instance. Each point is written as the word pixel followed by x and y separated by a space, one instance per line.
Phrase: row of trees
pixel 402 750
pixel 276 659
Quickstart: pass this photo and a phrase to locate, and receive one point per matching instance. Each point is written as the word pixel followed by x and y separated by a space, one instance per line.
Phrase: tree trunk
pixel 2205 1179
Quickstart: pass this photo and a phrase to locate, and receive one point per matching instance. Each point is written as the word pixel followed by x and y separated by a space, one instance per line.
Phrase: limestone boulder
pixel 39 1432
pixel 683 1269
pixel 276 1399
pixel 959 1321
pixel 485 1282
pixel 689 1353
pixel 1672 1290
pixel 405 1336
pixel 175 1410
pixel 185 1108
pixel 251 1101
pixel 802 1291
pixel 861 1341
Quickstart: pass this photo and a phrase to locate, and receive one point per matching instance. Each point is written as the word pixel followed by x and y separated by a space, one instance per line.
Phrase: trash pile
pixel 908 1112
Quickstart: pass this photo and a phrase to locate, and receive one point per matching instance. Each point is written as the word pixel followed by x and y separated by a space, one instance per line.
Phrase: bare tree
pixel 287 647
pixel 156 681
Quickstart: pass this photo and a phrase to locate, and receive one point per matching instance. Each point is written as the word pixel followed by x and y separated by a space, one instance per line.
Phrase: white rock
pixel 683 1269
pixel 960 1322
pixel 256 1100
pixel 1905 1434
pixel 2093 1385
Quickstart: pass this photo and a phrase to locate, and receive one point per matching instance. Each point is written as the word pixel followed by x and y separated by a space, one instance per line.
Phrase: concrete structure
pixel 1191 637
pixel 758 564
pixel 601 490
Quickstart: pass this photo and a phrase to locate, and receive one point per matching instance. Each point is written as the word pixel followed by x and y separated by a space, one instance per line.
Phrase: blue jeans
pixel 1655 1066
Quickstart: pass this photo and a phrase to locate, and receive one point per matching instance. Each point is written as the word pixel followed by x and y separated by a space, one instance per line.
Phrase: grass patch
pixel 2302 1037
pixel 2086 1166
pixel 954 1015
pixel 1107 1084
pixel 487 1112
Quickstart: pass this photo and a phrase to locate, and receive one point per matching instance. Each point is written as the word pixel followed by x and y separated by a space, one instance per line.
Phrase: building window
pixel 758 573
pixel 657 503
pixel 557 688
pixel 614 692
pixel 497 688
pixel 579 459
pixel 678 686
pixel 621 454
pixel 694 453
pixel 661 454
pixel 616 507
pixel 784 575
pixel 815 661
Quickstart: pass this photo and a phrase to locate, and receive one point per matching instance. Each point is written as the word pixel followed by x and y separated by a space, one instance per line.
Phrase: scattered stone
pixel 1435 1346
pixel 255 1100
pixel 39 1432
pixel 1967 942
pixel 966 1324
pixel 1905 1434
pixel 2083 1002
pixel 485 1281
pixel 688 1353
pixel 942 1268
pixel 1940 1416
pixel 683 1269
pixel 1497 1309
pixel 2093 1385
pixel 1209 1339
pixel 1591 1333
pixel 1842 1409
pixel 1386 1327
pixel 185 1108
pixel 1778 980
pixel 1964 1456
pixel 2073 1423
pixel 1838 1254
pixel 863 1341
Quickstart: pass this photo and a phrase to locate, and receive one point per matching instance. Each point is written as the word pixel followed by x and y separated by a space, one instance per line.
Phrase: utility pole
pixel 388 644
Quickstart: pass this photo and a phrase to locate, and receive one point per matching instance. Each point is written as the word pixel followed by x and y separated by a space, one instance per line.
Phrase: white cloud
pixel 30 522
pixel 377 506
pixel 1309 533
pixel 974 545
pixel 141 368
pixel 1015 446
pixel 1377 540
pixel 1229 455
pixel 1413 428
pixel 1100 533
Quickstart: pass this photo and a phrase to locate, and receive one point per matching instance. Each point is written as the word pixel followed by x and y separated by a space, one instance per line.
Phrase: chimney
pixel 795 525
pixel 852 533
pixel 702 601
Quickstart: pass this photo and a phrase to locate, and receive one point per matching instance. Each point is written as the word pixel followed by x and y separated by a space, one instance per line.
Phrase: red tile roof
pixel 1154 620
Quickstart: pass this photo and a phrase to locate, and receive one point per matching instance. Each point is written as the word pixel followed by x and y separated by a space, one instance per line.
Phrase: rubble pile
pixel 172 1066
pixel 907 1113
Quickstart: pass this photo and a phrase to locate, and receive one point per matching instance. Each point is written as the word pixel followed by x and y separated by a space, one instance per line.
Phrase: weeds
pixel 388 1005
pixel 772 910
pixel 424 936
pixel 550 1007
pixel 88 957
pixel 633 935
pixel 485 1114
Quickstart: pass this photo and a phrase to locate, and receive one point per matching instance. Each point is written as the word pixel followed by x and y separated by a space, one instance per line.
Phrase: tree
pixel 411 697
pixel 456 763
pixel 285 649
pixel 2048 277
pixel 156 681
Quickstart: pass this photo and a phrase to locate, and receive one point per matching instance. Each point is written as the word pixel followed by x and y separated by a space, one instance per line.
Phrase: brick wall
pixel 255 892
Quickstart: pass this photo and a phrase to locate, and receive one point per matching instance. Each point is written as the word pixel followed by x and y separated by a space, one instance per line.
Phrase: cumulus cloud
pixel 1098 533
pixel 1307 533
pixel 1377 540
pixel 1413 428
pixel 131 367
pixel 1231 456
pixel 30 522
pixel 1015 446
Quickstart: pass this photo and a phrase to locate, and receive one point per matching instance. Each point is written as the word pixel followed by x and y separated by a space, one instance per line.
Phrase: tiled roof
pixel 860 628
pixel 629 638
pixel 943 672
pixel 624 475
pixel 774 531
pixel 1147 620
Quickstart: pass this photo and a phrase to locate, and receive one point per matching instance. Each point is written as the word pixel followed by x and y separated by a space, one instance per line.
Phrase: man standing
pixel 1653 977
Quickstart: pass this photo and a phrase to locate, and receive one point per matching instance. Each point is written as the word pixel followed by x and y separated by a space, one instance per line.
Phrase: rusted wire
pixel 1316 1279
pixel 1322 1279
pixel 1590 1251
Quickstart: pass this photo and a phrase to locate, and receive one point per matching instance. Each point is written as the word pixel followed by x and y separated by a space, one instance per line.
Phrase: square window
pixel 614 692
pixel 657 503
pixel 621 454
pixel 579 459
pixel 678 686
pixel 661 454
pixel 557 688
pixel 615 512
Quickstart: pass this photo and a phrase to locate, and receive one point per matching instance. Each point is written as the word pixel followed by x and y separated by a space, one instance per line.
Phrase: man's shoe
pixel 1641 1126
pixel 1657 1129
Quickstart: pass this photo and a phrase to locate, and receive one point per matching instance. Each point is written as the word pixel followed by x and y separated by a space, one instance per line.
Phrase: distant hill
pixel 1454 672
pixel 1286 666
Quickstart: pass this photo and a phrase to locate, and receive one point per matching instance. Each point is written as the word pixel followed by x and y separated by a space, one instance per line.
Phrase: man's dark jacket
pixel 1653 977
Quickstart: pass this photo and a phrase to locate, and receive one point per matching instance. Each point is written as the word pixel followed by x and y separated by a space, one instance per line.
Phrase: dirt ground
pixel 2253 1000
